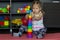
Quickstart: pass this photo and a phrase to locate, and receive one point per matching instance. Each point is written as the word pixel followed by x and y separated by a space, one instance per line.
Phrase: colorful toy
pixel 24 9
pixel 24 5
pixel 17 21
pixel 30 27
pixel 0 10
pixel 18 11
pixel 1 23
pixel 6 18
pixel 8 8
pixel 1 18
pixel 6 23
pixel 5 10
pixel 24 21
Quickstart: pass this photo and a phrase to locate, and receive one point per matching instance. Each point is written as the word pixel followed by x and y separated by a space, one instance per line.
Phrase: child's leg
pixel 41 33
pixel 35 32
pixel 22 29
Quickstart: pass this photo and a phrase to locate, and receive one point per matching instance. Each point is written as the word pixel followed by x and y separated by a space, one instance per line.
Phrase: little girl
pixel 37 20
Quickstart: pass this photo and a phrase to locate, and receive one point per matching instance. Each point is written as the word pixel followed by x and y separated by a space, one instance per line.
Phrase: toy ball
pixel 24 21
pixel 18 8
pixel 27 11
pixel 18 11
pixel 25 4
pixel 30 11
pixel 21 8
pixel 23 11
pixel 25 8
pixel 29 7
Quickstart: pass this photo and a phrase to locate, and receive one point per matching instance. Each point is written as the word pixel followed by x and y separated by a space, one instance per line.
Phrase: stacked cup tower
pixel 30 26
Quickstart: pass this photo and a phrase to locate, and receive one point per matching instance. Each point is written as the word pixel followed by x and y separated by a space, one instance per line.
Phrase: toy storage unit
pixel 4 16
pixel 17 5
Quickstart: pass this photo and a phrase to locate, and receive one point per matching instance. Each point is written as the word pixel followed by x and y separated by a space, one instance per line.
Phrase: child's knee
pixel 23 28
pixel 43 30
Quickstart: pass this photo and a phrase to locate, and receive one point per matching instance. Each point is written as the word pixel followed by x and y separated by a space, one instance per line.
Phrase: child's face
pixel 36 8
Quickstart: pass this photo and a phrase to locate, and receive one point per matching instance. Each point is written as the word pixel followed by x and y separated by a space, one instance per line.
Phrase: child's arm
pixel 26 16
pixel 38 16
pixel 41 15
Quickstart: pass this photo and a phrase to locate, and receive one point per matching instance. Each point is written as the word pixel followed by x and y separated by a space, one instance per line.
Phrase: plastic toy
pixel 18 11
pixel 25 9
pixel 5 9
pixel 17 21
pixel 8 7
pixel 29 27
pixel 6 23
pixel 6 18
pixel 24 21
pixel 1 23
pixel 0 10
pixel 1 18
pixel 21 8
pixel 29 7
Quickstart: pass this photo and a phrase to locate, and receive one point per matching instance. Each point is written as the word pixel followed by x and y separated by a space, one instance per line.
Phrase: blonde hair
pixel 38 3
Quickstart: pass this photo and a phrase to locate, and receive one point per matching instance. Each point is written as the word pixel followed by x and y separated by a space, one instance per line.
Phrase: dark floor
pixel 49 30
pixel 53 30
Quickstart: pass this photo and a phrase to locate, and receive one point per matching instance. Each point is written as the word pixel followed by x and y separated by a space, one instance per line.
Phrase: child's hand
pixel 26 16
